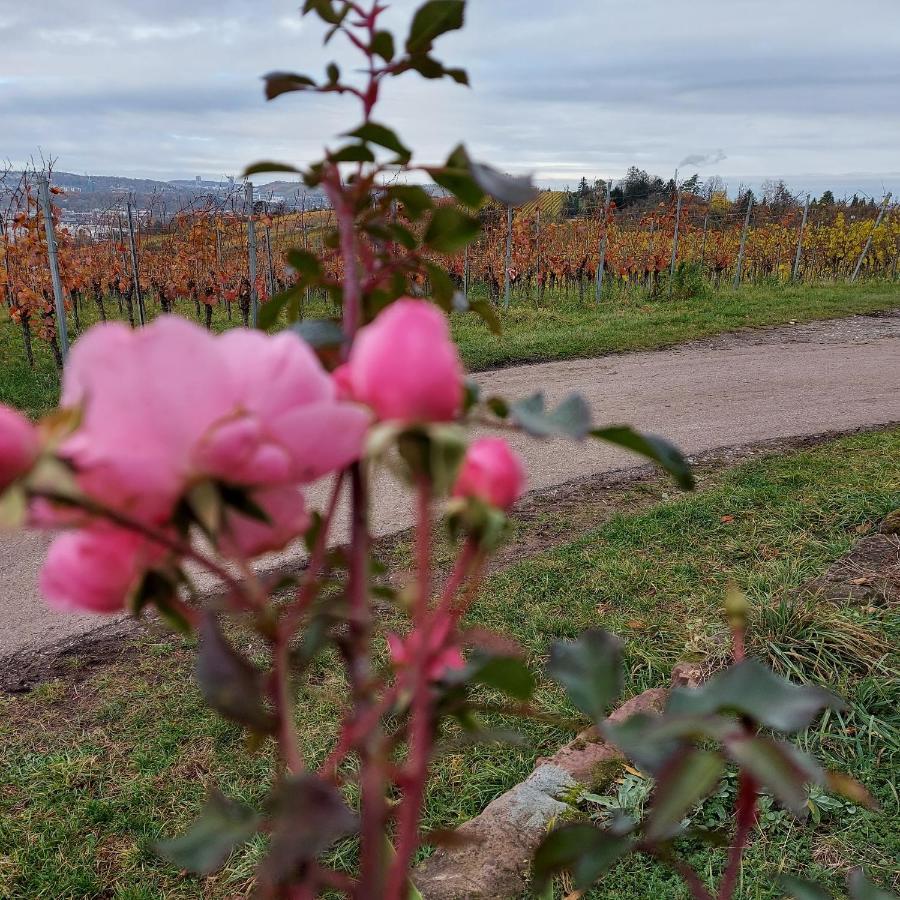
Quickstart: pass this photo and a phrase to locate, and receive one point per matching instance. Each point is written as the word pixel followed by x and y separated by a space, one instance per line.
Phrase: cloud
pixel 696 160
pixel 172 89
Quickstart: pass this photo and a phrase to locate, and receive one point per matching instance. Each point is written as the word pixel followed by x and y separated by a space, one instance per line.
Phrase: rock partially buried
pixel 492 856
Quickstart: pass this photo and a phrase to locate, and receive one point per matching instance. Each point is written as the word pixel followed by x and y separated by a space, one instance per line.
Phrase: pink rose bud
pixel 443 655
pixel 405 365
pixel 19 446
pixel 491 472
pixel 94 570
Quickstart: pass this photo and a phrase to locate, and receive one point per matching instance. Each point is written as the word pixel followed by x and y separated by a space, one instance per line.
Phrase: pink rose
pixel 19 446
pixel 491 472
pixel 171 403
pixel 95 569
pixel 405 366
pixel 443 654
pixel 244 537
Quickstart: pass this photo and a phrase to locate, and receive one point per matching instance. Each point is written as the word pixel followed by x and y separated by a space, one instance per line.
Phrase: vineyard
pixel 200 261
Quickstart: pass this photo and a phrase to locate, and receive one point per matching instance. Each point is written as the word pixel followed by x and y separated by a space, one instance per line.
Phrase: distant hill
pixel 88 193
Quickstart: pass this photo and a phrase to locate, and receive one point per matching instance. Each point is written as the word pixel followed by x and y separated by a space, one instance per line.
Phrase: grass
pixel 94 771
pixel 557 329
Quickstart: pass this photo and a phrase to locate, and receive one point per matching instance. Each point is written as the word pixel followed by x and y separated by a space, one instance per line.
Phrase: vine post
pixel 53 257
pixel 746 230
pixel 132 244
pixel 251 252
pixel 795 275
pixel 868 246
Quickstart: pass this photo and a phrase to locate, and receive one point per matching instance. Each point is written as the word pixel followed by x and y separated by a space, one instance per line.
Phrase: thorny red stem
pixel 746 819
pixel 420 726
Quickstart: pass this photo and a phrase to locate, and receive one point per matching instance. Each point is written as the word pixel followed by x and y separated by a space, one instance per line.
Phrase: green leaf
pixel 862 889
pixel 326 11
pixel 460 76
pixel 383 45
pixel 442 286
pixel 688 778
pixel 205 504
pixel 416 201
pixel 353 153
pixel 306 264
pixel 432 19
pixel 450 229
pixel 590 669
pixel 778 766
pixel 402 235
pixel 222 826
pixel 652 741
pixel 582 850
pixel 571 418
pixel 278 83
pixel 308 816
pixel 267 165
pixel 507 674
pixel 228 682
pixel 320 332
pixel 373 133
pixel 751 689
pixel 485 309
pixel 803 890
pixel 509 190
pixel 271 309
pixel 656 448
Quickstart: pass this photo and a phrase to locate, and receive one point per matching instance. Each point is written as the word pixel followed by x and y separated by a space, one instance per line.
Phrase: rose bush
pixel 174 446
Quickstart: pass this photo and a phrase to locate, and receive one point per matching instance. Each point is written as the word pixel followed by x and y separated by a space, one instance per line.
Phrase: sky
pixel 806 90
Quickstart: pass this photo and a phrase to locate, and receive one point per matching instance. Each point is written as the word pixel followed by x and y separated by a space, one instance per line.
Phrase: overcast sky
pixel 803 89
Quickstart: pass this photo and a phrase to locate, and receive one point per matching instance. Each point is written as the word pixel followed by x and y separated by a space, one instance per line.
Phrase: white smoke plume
pixel 703 159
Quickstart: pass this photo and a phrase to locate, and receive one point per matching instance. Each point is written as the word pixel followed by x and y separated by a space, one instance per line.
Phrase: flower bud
pixel 405 365
pixel 19 446
pixel 491 472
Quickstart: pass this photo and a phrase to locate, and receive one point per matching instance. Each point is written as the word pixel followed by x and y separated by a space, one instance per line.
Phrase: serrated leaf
pixel 510 190
pixel 442 287
pixel 485 310
pixel 450 229
pixel 416 201
pixel 850 789
pixel 590 670
pixel 751 689
pixel 803 890
pixel 572 418
pixel 687 779
pixel 228 682
pixel 320 332
pixel 383 45
pixel 272 308
pixel 862 889
pixel 779 767
pixel 352 153
pixel 325 10
pixel 222 826
pixel 374 133
pixel 666 455
pixel 432 19
pixel 584 851
pixel 277 83
pixel 507 674
pixel 309 815
pixel 305 263
pixel 268 165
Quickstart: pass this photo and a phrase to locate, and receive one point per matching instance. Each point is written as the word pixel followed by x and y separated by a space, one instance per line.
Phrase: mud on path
pixel 733 390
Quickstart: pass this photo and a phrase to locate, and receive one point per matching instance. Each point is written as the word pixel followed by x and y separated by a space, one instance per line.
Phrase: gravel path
pixel 733 389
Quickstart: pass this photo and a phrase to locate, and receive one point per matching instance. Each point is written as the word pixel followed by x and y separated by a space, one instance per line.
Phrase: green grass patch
pixel 557 328
pixel 93 774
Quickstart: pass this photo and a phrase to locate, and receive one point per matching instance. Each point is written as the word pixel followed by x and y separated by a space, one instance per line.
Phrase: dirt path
pixel 730 390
